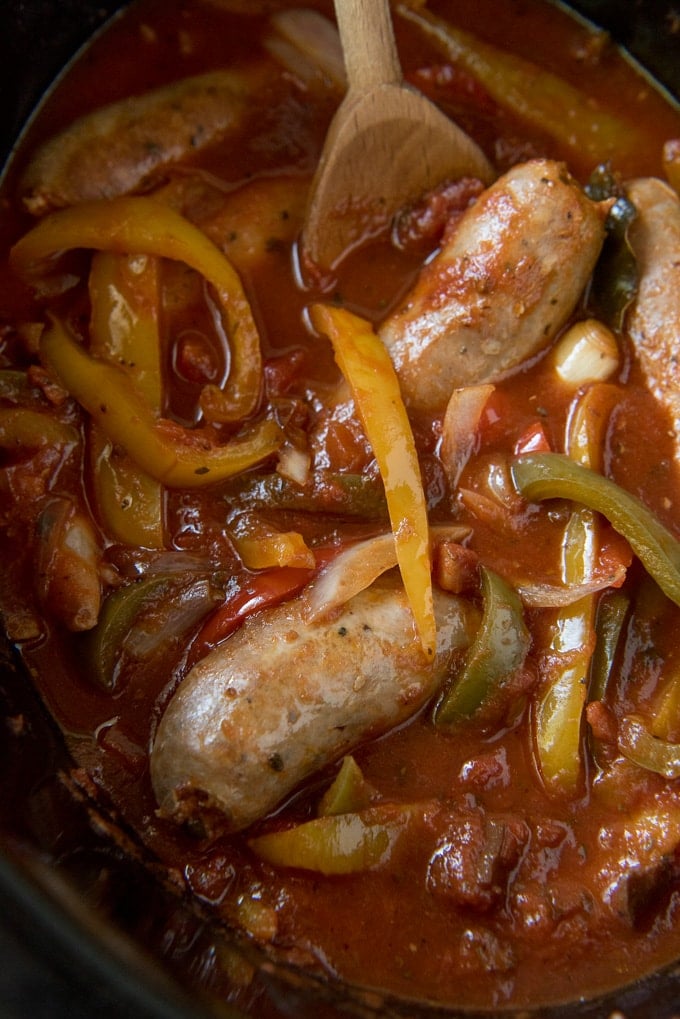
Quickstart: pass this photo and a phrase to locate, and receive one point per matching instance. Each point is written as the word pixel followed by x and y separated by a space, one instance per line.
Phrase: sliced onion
pixel 450 532
pixel 67 567
pixel 352 571
pixel 294 464
pixel 308 45
pixel 176 616
pixel 489 511
pixel 357 567
pixel 548 596
pixel 460 427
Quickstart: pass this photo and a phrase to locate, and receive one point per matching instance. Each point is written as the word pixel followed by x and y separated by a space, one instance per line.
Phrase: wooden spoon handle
pixel 368 43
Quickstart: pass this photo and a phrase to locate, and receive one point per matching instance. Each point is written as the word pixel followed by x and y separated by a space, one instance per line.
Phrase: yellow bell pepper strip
pixel 539 476
pixel 665 722
pixel 651 616
pixel 23 428
pixel 261 546
pixel 368 370
pixel 337 843
pixel 653 613
pixel 638 744
pixel 588 423
pixel 125 301
pixel 142 226
pixel 542 99
pixel 129 500
pixel 558 709
pixel 561 698
pixel 125 297
pixel 348 793
pixel 499 649
pixel 176 456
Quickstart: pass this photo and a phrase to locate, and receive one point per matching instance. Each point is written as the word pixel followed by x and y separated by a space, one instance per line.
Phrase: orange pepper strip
pixel 367 367
pixel 175 456
pixel 261 546
pixel 140 225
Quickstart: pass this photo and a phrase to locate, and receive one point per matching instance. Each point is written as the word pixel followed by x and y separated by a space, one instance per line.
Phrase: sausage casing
pixel 119 148
pixel 284 697
pixel 653 322
pixel 507 278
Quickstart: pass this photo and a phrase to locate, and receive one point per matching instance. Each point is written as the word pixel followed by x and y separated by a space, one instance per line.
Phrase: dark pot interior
pixel 60 956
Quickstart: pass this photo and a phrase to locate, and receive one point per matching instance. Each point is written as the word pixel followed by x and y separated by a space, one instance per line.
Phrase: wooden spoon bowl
pixel 387 144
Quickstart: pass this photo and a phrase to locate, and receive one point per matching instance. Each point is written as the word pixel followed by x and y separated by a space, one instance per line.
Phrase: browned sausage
pixel 506 280
pixel 654 319
pixel 284 697
pixel 121 147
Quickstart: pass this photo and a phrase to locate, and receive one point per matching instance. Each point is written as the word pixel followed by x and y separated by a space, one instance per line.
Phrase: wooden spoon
pixel 386 146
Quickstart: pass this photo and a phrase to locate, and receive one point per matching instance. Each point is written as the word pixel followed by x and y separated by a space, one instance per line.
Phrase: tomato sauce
pixel 500 891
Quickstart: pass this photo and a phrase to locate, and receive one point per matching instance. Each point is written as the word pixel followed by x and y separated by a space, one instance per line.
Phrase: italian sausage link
pixel 121 147
pixel 284 697
pixel 654 319
pixel 506 280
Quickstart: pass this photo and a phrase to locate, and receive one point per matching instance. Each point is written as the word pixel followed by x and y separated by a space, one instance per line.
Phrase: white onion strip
pixel 351 572
pixel 357 567
pixel 460 426
pixel 308 45
pixel 549 596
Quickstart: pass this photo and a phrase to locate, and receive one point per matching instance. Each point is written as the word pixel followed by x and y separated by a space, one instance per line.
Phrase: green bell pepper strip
pixel 124 609
pixel 539 476
pixel 119 611
pixel 140 225
pixel 353 495
pixel 558 708
pixel 561 697
pixel 337 843
pixel 612 611
pixel 347 793
pixel 610 617
pixel 176 456
pixel 499 649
